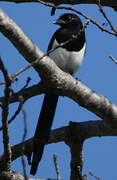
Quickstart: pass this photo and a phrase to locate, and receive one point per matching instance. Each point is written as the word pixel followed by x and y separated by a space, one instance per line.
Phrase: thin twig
pixel 96 177
pixel 22 70
pixel 113 59
pixel 5 112
pixel 55 158
pixel 25 131
pixel 23 139
pixel 21 103
pixel 25 124
pixel 105 16
pixel 12 81
pixel 2 83
pixel 15 114
pixel 27 83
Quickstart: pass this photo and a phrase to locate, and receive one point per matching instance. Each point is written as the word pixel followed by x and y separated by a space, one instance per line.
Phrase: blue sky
pixel 98 72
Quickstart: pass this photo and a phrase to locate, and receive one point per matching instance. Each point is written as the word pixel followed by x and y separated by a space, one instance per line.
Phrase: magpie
pixel 67 49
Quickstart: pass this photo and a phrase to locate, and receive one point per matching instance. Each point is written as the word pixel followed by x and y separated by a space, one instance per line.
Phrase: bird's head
pixel 68 20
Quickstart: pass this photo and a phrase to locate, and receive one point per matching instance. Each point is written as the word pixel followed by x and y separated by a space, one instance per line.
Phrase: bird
pixel 68 57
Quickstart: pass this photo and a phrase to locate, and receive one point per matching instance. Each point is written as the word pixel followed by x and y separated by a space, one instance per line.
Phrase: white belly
pixel 67 61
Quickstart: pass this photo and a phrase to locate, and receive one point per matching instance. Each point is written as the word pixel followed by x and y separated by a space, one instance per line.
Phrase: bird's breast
pixel 68 61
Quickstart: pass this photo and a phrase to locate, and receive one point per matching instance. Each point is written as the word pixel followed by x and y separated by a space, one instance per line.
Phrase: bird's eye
pixel 69 18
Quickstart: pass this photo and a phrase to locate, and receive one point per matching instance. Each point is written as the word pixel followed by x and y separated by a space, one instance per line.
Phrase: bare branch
pixel 110 3
pixel 25 131
pixel 68 86
pixel 12 175
pixel 83 130
pixel 105 16
pixel 76 149
pixel 91 174
pixel 5 112
pixel 55 158
pixel 113 59
pixel 80 131
pixel 20 107
pixel 15 114
pixel 25 93
pixel 76 161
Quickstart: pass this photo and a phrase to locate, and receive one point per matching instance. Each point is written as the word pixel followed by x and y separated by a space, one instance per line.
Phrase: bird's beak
pixel 59 22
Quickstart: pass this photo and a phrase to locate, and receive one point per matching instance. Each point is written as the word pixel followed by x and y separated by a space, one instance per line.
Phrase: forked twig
pixel 106 17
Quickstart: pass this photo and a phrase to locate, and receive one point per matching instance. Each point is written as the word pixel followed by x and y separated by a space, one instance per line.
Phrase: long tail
pixel 43 129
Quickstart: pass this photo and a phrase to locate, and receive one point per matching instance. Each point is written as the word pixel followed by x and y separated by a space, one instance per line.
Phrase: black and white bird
pixel 69 57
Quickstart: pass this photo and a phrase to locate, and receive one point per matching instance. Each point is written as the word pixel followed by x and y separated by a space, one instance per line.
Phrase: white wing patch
pixel 67 61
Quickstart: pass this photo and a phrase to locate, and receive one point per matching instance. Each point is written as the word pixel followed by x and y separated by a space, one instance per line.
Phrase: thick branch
pixel 83 130
pixel 76 150
pixel 80 131
pixel 110 3
pixel 76 161
pixel 25 93
pixel 54 77
pixel 12 175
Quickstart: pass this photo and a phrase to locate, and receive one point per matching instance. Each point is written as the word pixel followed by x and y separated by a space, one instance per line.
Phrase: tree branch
pixel 110 3
pixel 106 18
pixel 56 165
pixel 82 130
pixel 5 113
pixel 76 150
pixel 76 160
pixel 25 93
pixel 12 175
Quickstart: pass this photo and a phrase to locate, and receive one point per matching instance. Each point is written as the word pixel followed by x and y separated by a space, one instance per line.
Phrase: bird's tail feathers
pixel 43 129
